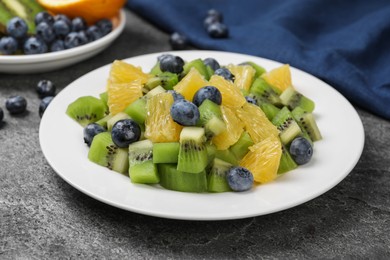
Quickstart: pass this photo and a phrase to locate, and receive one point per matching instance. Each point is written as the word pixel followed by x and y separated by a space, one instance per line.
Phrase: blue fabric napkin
pixel 345 43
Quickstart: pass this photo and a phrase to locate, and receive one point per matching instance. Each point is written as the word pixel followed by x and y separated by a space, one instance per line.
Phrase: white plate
pixel 334 157
pixel 19 64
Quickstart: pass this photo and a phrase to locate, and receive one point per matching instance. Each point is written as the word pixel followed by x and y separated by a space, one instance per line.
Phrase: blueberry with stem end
pixel 16 104
pixel 185 113
pixel 45 32
pixel 17 28
pixel 173 64
pixel 44 104
pixel 90 131
pixel 34 45
pixel 239 178
pixel 301 150
pixel 124 132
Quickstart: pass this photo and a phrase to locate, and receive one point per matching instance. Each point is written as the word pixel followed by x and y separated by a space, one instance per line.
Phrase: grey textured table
pixel 42 217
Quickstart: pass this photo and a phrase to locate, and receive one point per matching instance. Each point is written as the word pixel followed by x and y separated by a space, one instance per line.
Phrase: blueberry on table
pixel 44 104
pixel 185 113
pixel 61 28
pixel 301 150
pixel 72 40
pixel 8 45
pixel 207 92
pixel 173 64
pixel 251 100
pixel 94 33
pixel 57 45
pixel 78 24
pixel 45 88
pixel 43 17
pixel 239 178
pixel 17 27
pixel 16 104
pixel 34 45
pixel 124 132
pixel 90 131
pixel 213 63
pixel 178 41
pixel 224 72
pixel 105 26
pixel 45 32
pixel 218 30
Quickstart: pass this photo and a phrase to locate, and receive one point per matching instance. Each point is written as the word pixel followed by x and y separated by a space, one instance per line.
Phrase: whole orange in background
pixel 90 10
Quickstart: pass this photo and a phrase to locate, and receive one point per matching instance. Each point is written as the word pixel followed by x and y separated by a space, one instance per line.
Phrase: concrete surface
pixel 42 217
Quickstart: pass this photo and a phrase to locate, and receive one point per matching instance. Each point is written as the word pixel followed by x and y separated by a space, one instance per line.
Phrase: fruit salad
pixel 198 126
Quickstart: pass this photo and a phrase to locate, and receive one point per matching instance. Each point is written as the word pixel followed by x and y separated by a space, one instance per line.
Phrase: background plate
pixel 19 64
pixel 61 141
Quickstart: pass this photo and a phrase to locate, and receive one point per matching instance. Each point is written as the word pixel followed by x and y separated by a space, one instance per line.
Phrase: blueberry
pixel 44 104
pixel 94 33
pixel 17 27
pixel 224 72
pixel 90 131
pixel 178 41
pixel 61 28
pixel 215 13
pixel 218 30
pixel 44 17
pixel 209 20
pixel 8 45
pixel 251 100
pixel 62 17
pixel 1 115
pixel 239 178
pixel 45 32
pixel 185 112
pixel 176 95
pixel 34 45
pixel 212 63
pixel 163 56
pixel 45 88
pixel 301 150
pixel 207 92
pixel 172 64
pixel 105 26
pixel 72 40
pixel 16 104
pixel 125 132
pixel 57 45
pixel 78 24
pixel 83 37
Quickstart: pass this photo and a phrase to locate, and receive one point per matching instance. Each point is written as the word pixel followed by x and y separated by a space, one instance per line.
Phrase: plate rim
pixel 214 218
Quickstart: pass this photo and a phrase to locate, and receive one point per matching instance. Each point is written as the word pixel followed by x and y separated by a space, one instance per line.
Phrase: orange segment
pixel 243 75
pixel 191 83
pixel 279 77
pixel 122 72
pixel 159 126
pixel 263 159
pixel 231 94
pixel 120 95
pixel 256 123
pixel 234 129
pixel 90 10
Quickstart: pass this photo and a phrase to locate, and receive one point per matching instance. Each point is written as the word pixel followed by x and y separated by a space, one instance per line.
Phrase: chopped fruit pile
pixel 197 126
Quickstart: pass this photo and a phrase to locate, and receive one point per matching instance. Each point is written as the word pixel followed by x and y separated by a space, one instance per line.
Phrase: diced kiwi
pixel 157 90
pixel 210 72
pixel 86 110
pixel 104 152
pixel 156 69
pixel 137 110
pixel 286 162
pixel 192 153
pixel 263 92
pixel 173 179
pixel 166 152
pixel 211 118
pixel 198 65
pixel 292 99
pixel 269 110
pixel 104 98
pixel 227 156
pixel 104 120
pixel 259 70
pixel 167 80
pixel 211 151
pixel 240 148
pixel 216 179
pixel 116 118
pixel 288 127
pixel 307 122
pixel 141 166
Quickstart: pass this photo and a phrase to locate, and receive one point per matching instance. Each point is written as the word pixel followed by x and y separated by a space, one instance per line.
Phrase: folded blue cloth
pixel 345 43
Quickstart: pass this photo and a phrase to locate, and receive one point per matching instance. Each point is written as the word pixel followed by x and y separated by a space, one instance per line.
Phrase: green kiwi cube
pixel 86 110
pixel 241 147
pixel 192 153
pixel 269 110
pixel 141 166
pixel 104 120
pixel 157 90
pixel 292 99
pixel 286 162
pixel 198 65
pixel 288 127
pixel 167 80
pixel 307 122
pixel 166 152
pixel 137 110
pixel 116 118
pixel 216 179
pixel 227 156
pixel 211 118
pixel 263 92
pixel 173 179
pixel 104 152
pixel 156 69
pixel 210 72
